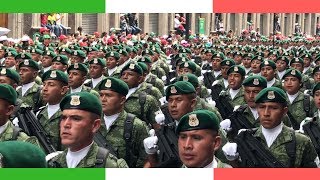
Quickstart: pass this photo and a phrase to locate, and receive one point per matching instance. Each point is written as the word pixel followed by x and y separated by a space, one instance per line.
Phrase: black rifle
pixel 253 153
pixel 224 106
pixel 293 121
pixel 215 91
pixel 208 79
pixel 168 117
pixel 312 129
pixel 30 124
pixel 168 146
pixel 102 142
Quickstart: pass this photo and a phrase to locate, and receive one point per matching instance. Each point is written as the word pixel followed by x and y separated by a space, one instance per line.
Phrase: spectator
pixel 52 25
pixel 59 24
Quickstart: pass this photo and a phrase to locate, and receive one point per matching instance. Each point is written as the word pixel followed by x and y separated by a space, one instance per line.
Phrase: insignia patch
pixel 75 100
pixel 76 65
pixel 111 54
pixel 236 68
pixel 293 72
pixel 1 161
pixel 53 74
pixel 228 63
pixel 193 120
pixel 131 66
pixel 33 51
pixel 119 52
pixel 3 71
pixel 218 55
pixel 9 53
pixel 173 90
pixel 95 61
pixel 271 95
pixel 23 56
pixel 256 82
pixel 48 53
pixel 26 62
pixel 90 49
pixel 58 58
pixel 63 50
pixel 185 78
pixel 266 63
pixel 75 53
pixel 186 64
pixel 108 83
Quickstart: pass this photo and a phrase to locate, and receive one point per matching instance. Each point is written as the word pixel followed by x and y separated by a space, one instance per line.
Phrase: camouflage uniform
pixel 220 164
pixel 96 88
pixel 308 72
pixel 51 126
pixel 29 96
pixel 202 104
pixel 114 137
pixel 238 100
pixel 87 89
pixel 156 82
pixel 89 160
pixel 158 71
pixel 7 135
pixel 305 153
pixel 277 84
pixel 149 89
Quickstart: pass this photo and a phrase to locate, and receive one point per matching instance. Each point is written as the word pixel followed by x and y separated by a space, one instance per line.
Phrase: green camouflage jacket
pixel 238 100
pixel 96 88
pixel 219 165
pixel 156 82
pixel 151 90
pixel 87 89
pixel 29 96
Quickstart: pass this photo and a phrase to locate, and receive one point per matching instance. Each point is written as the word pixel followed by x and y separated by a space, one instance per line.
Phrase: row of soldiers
pixel 134 106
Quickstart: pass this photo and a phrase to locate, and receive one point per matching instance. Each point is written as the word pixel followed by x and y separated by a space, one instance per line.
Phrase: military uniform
pixel 31 97
pixel 237 100
pixel 149 89
pixel 156 82
pixel 87 89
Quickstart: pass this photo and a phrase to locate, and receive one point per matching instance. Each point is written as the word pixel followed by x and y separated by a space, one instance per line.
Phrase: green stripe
pixel 53 174
pixel 59 6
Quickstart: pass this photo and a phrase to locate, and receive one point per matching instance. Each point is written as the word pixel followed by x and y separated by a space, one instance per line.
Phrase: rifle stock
pixel 312 129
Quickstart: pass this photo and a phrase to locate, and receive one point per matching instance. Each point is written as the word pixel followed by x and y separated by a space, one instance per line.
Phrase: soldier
pixel 9 132
pixel 46 60
pixel 117 122
pixel 112 62
pixel 298 64
pixel 60 62
pixel 96 70
pixel 307 60
pixel 78 56
pixel 268 70
pixel 316 74
pixel 36 54
pixel 10 77
pixel 80 119
pixel 246 62
pixel 300 106
pixel 255 65
pixel 55 87
pixel 141 104
pixel 281 64
pixel 10 61
pixel 275 136
pixel 223 82
pixel 15 154
pixel 199 152
pixel 29 92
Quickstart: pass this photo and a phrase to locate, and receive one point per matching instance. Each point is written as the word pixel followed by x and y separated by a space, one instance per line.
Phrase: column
pixel 146 23
pixel 254 19
pixel 245 21
pixel 102 22
pixel 15 25
pixel 266 25
pixel 283 15
pixel 257 23
pixel 163 23
pixel 36 20
pixel 313 23
pixel 192 23
pixel 213 22
pixel 116 20
pixel 77 20
pixel 238 23
pixel 308 24
pixel 302 22
pixel 64 20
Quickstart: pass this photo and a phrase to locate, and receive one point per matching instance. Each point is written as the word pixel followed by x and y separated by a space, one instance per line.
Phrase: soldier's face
pixel 77 128
pixel 316 98
pixel 197 147
pixel 131 78
pixel 76 59
pixel 268 72
pixel 111 62
pixel 291 84
pixel 10 62
pixel 270 114
pixel 297 66
pixel 216 64
pixel 316 77
pixel 95 71
pixel 2 52
pixel 52 91
pixel 46 61
pixel 58 66
pixel 76 79
pixel 246 62
pixel 224 70
pixel 6 80
pixel 306 62
pixel 183 71
pixel 250 94
pixel 238 59
pixel 27 75
pixel 5 111
pixel 235 80
pixel 179 105
pixel 255 66
pixel 281 65
pixel 112 102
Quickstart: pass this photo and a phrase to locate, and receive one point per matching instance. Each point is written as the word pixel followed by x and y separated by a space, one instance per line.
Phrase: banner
pixel 202 25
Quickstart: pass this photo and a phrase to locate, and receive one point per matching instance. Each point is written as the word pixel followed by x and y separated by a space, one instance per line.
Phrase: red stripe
pixel 266 6
pixel 265 174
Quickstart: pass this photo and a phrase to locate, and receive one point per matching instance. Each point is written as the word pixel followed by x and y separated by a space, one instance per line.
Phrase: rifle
pixel 102 142
pixel 168 117
pixel 294 123
pixel 168 146
pixel 208 79
pixel 312 129
pixel 31 124
pixel 253 153
pixel 224 106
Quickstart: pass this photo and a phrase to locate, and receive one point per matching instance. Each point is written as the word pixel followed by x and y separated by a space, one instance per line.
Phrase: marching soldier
pixel 96 71
pixel 268 70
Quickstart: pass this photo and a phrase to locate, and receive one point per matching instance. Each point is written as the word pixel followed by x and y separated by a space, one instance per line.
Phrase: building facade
pixel 162 23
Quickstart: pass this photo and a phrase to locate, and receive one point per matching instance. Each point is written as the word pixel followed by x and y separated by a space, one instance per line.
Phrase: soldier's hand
pixel 150 143
pixel 160 117
pixel 230 151
pixel 306 120
pixel 226 125
pixel 240 130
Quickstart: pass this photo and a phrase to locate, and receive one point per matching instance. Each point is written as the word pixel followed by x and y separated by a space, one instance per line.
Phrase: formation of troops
pixel 160 102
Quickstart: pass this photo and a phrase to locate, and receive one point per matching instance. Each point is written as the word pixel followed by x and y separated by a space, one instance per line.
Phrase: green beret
pixel 11 53
pixel 316 88
pixel 197 120
pixel 228 62
pixel 271 94
pixel 191 78
pixel 297 60
pixel 37 51
pixel 67 50
pixel 23 56
pixel 180 87
pixel 292 72
pixel 237 69
pixel 145 59
pixel 316 69
pixel 79 53
pixel 190 65
pixel 91 49
pixel 99 61
pixel 83 101
pixel 46 36
pixel 106 49
pixel 48 49
pixel 248 55
pixel 8 93
pixel 62 59
pixel 218 55
pixel 123 52
pixel 147 52
pixel 317 58
pixel 283 58
pixel 49 53
pixel 237 53
pixel 19 154
pixel 114 84
pixel 306 55
pixel 268 63
pixel 29 63
pixel 255 81
pixel 78 66
pixel 55 75
pixel 258 58
pixel 143 66
pixel 133 67
pixel 113 54
pixel 10 73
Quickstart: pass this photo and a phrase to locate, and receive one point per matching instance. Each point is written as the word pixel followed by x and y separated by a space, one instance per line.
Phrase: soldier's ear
pixel 96 125
pixel 10 110
pixel 216 143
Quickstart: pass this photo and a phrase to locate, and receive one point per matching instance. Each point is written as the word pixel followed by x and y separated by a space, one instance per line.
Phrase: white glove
pixel 211 102
pixel 203 71
pixel 160 117
pixel 307 119
pixel 235 108
pixel 200 78
pixel 164 78
pixel 15 122
pixel 163 101
pixel 150 143
pixel 226 125
pixel 230 151
pixel 240 130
